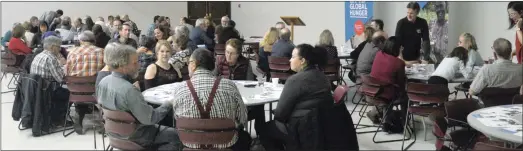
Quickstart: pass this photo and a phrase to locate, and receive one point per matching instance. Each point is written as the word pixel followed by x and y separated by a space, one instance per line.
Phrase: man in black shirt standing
pixel 412 31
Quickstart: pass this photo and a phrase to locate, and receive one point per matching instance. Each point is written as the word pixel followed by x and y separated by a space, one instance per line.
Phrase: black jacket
pixel 326 127
pixel 26 95
pixel 39 104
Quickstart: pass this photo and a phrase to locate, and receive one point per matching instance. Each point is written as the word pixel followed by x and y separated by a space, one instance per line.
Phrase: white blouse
pixel 449 67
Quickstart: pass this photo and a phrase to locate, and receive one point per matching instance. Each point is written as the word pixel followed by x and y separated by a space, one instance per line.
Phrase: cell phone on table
pixel 250 85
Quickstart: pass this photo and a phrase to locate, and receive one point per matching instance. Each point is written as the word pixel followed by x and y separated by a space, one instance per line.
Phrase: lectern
pixel 292 21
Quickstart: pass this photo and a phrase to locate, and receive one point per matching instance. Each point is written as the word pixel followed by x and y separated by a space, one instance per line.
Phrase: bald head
pixel 285 34
pixel 503 48
pixel 225 21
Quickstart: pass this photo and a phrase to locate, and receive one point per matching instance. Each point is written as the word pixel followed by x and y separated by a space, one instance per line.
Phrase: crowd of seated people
pixel 125 66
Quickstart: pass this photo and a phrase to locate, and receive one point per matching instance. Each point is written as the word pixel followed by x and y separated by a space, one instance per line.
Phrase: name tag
pixel 418 30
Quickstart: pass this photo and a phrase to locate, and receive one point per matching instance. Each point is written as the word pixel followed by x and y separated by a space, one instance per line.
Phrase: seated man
pixel 85 60
pixel 366 58
pixel 503 73
pixel 226 103
pixel 284 46
pixel 124 36
pixel 199 35
pixel 47 65
pixel 115 92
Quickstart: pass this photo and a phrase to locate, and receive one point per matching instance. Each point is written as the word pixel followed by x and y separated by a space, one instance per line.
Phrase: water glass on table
pixel 275 81
pixel 261 80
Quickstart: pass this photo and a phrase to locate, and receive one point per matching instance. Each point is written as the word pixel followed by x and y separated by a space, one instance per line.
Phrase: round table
pixel 499 122
pixel 251 96
pixel 417 74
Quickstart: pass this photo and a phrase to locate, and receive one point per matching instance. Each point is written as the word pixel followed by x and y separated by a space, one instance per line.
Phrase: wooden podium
pixel 292 21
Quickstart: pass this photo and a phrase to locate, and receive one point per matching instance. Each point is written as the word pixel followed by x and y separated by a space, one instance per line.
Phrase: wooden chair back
pixel 280 67
pixel 122 124
pixel 205 132
pixel 81 89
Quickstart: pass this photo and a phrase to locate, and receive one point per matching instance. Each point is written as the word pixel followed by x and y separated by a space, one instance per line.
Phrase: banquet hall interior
pixel 261 75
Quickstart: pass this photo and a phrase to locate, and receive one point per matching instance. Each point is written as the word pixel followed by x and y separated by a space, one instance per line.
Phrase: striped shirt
pixel 228 102
pixel 85 60
pixel 47 66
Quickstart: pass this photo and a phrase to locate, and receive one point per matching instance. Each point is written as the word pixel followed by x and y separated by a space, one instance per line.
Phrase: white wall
pixel 255 18
pixel 140 12
pixel 487 21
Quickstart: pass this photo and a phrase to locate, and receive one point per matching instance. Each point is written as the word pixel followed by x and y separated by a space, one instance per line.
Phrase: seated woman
pixel 17 43
pixel 182 48
pixel 369 31
pixel 308 89
pixel 161 72
pixel 450 65
pixel 388 68
pixel 234 65
pixel 265 50
pixel 28 35
pixel 327 41
pixel 147 55
pixel 467 41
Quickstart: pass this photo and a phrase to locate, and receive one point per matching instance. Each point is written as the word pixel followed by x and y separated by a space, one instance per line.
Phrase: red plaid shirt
pixel 84 61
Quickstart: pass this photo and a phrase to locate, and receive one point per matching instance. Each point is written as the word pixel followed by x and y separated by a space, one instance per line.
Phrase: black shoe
pixel 78 126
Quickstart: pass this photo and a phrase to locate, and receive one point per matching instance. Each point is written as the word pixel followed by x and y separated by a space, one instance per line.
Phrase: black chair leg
pixel 94 128
pixel 389 108
pixel 364 108
pixel 356 105
pixel 65 120
pixel 411 130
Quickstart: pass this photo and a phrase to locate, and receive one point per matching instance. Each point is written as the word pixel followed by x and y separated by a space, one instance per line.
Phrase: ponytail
pixel 315 56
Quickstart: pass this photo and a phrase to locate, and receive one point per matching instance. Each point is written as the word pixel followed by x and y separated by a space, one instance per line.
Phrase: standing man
pixel 413 32
pixel 49 16
pixel 439 30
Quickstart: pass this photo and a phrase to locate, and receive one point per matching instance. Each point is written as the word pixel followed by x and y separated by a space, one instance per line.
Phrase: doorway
pixel 216 9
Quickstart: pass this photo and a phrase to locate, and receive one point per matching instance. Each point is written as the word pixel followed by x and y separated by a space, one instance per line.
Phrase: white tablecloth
pixel 499 122
pixel 420 73
pixel 251 96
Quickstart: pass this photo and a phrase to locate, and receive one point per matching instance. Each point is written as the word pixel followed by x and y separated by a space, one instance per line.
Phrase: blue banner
pixel 357 14
pixel 422 4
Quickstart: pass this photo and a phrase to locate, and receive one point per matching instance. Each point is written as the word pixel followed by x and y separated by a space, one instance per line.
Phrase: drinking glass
pixel 261 80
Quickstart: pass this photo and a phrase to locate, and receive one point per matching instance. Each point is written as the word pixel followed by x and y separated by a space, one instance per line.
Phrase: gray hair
pixel 118 55
pixel 285 34
pixel 326 38
pixel 86 36
pixel 66 20
pixel 52 41
pixel 16 24
pixel 199 22
pixel 181 30
pixel 503 48
pixel 204 58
